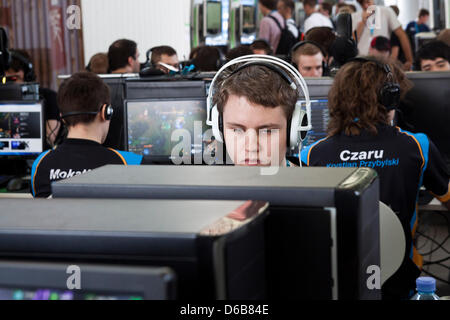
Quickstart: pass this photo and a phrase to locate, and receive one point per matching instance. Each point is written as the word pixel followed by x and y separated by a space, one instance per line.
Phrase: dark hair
pixel 352 7
pixel 119 52
pixel 157 53
pixel 260 85
pixel 355 95
pixel 381 43
pixel 98 64
pixel 262 44
pixel 323 36
pixel 269 4
pixel 327 7
pixel 423 13
pixel 194 52
pixel 207 59
pixel 289 4
pixel 311 3
pixel 17 64
pixel 239 51
pixel 396 10
pixel 82 92
pixel 431 51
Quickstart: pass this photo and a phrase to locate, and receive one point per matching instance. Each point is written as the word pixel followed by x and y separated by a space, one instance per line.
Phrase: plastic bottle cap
pixel 426 284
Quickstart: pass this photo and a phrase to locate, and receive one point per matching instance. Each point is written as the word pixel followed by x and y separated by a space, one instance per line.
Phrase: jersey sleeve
pixel 40 183
pixel 436 177
pixel 131 159
pixel 305 156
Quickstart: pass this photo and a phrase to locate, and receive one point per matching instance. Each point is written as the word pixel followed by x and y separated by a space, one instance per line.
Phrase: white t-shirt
pixel 317 20
pixel 292 27
pixel 382 23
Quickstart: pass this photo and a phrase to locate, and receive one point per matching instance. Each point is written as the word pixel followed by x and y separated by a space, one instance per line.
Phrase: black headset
pixel 389 95
pixel 108 113
pixel 4 54
pixel 29 74
pixel 302 43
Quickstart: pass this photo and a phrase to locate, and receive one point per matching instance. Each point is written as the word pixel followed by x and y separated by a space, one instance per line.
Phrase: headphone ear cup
pixel 217 132
pixel 109 111
pixel 299 119
pixel 390 96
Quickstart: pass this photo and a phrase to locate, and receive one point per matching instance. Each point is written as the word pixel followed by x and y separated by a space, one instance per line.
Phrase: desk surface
pixel 434 205
pixel 16 196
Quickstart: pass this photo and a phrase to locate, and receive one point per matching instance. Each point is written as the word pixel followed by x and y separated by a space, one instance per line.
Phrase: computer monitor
pixel 215 248
pixel 322 232
pixel 213 17
pixel 425 108
pixel 156 127
pixel 320 116
pixel 25 280
pixel 248 19
pixel 21 129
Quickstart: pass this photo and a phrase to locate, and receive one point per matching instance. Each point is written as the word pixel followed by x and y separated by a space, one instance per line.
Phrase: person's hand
pixel 407 66
pixel 366 15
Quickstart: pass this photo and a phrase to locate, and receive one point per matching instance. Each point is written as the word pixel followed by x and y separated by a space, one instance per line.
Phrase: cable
pixel 440 245
pixel 427 263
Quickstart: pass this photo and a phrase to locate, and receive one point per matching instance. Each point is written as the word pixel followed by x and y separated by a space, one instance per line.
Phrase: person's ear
pixel 131 61
pixel 102 113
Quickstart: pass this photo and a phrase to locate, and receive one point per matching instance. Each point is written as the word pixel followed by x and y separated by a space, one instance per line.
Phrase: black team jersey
pixel 404 163
pixel 72 158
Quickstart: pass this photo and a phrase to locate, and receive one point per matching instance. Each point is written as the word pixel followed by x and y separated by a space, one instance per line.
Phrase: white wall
pixel 148 22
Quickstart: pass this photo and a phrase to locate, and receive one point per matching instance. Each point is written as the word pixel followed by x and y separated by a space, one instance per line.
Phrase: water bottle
pixel 426 288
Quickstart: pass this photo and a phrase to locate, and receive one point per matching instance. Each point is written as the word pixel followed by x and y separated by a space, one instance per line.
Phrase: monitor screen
pixel 8 294
pixel 153 124
pixel 319 118
pixel 249 19
pixel 213 17
pixel 21 129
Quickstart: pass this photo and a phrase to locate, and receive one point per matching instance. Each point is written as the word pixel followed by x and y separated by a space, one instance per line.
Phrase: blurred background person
pixel 123 57
pixel 286 8
pixel 380 47
pixel 207 59
pixel 315 18
pixel 433 56
pixel 309 60
pixel 444 36
pixel 98 64
pixel 240 51
pixel 261 46
pixel 268 28
pixel 164 57
pixel 364 23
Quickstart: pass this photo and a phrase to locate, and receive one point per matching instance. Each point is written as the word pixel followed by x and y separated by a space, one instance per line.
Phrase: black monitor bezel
pixel 30 156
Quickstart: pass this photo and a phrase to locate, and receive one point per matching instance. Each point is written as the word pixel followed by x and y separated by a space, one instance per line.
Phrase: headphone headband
pixel 305 42
pixel 109 111
pixel 389 95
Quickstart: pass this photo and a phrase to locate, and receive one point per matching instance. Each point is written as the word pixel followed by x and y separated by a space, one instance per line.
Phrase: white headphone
pixel 298 130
